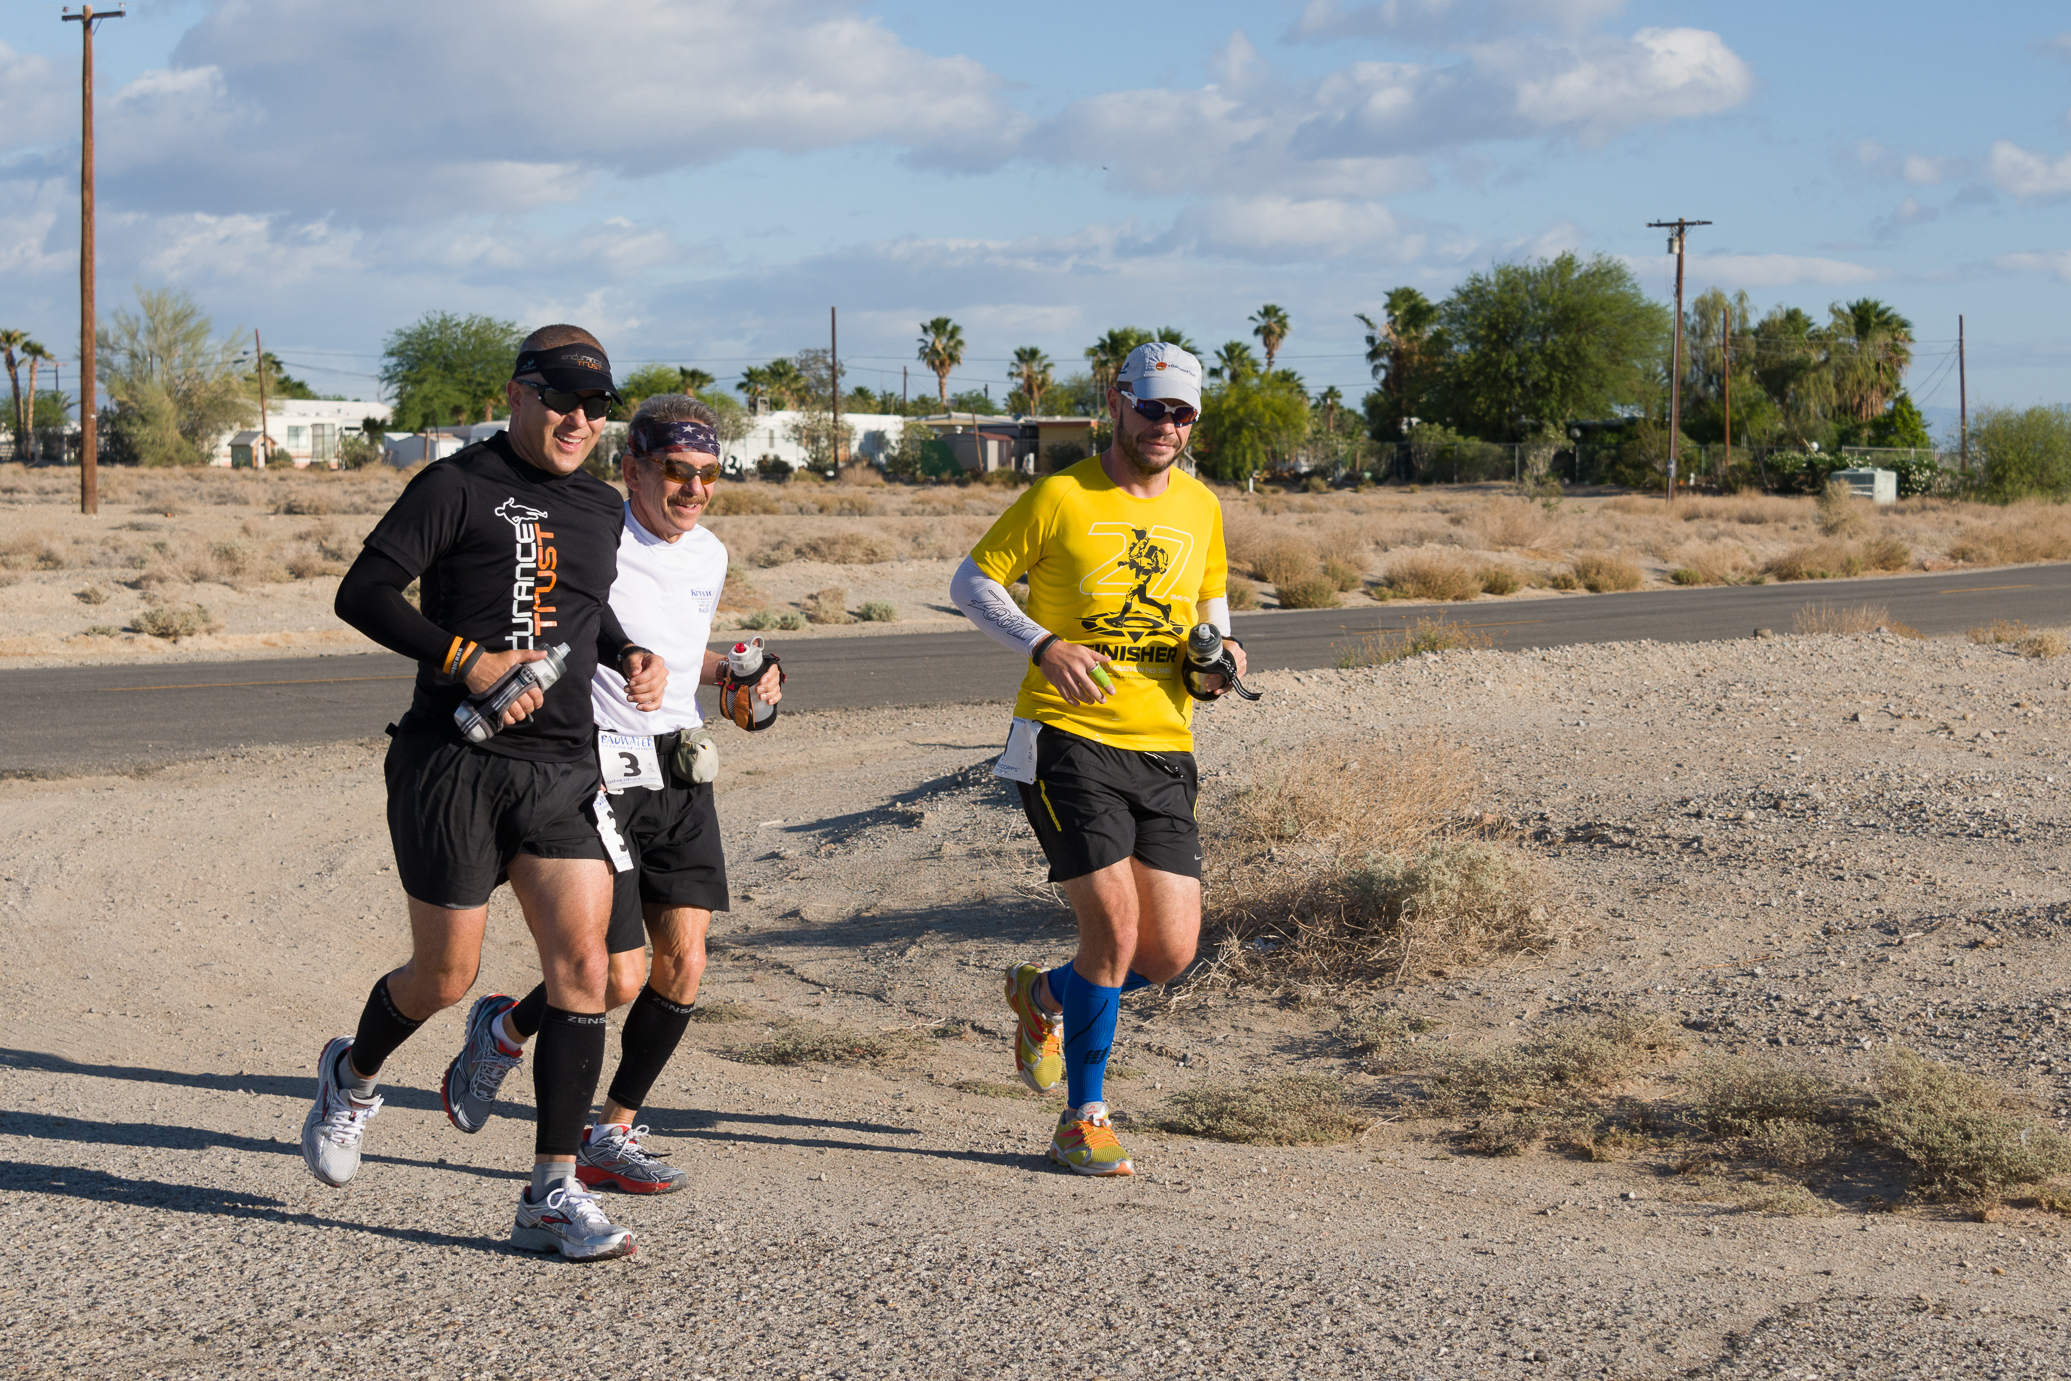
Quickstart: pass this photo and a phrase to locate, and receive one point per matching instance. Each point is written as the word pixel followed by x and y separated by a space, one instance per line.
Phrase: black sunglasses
pixel 1155 409
pixel 683 472
pixel 564 401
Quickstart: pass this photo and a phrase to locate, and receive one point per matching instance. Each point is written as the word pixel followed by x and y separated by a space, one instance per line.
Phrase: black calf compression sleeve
pixel 382 1029
pixel 653 1028
pixel 529 1013
pixel 564 1078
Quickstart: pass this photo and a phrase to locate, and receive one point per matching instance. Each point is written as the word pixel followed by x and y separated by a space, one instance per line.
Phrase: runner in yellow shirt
pixel 1123 553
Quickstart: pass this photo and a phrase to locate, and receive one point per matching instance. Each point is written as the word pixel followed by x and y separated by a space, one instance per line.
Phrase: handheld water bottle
pixel 1206 656
pixel 745 664
pixel 481 716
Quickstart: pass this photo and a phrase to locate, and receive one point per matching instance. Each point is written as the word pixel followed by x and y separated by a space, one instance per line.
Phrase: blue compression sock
pixel 1134 980
pixel 1064 975
pixel 1089 1031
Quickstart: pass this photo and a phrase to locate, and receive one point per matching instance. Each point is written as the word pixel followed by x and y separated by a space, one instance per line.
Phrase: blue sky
pixel 699 180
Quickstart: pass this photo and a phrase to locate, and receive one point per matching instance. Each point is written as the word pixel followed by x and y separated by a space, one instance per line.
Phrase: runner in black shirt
pixel 515 548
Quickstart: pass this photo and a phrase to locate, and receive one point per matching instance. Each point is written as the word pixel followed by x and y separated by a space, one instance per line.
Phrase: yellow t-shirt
pixel 1123 576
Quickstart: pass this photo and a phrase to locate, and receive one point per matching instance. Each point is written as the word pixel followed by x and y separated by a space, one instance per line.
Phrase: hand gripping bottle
pixel 481 716
pixel 1207 656
pixel 744 666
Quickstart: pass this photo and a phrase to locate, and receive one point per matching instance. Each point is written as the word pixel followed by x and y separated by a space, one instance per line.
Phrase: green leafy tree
pixel 446 368
pixel 1715 328
pixel 1031 373
pixel 1249 426
pixel 644 383
pixel 1270 324
pixel 173 387
pixel 1404 353
pixel 1547 342
pixel 1790 365
pixel 942 350
pixel 1901 427
pixel 817 370
pixel 2022 452
pixel 1234 362
pixel 975 400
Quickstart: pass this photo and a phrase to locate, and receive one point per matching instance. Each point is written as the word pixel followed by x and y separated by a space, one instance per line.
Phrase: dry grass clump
pixel 2043 645
pixel 1282 560
pixel 1828 617
pixel 2032 530
pixel 1964 1137
pixel 1425 635
pixel 828 606
pixel 1353 796
pixel 1558 1071
pixel 1308 592
pixel 1839 560
pixel 1839 515
pixel 719 1012
pixel 1998 631
pixel 1602 573
pixel 1505 522
pixel 1737 1095
pixel 739 501
pixel 1749 510
pixel 175 621
pixel 1499 580
pixel 1342 575
pixel 826 1045
pixel 1289 1110
pixel 32 551
pixel 846 549
pixel 1714 563
pixel 1241 593
pixel 1380 1031
pixel 878 611
pixel 1432 577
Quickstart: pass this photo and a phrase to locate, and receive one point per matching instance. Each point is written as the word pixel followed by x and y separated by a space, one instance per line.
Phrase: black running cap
pixel 573 367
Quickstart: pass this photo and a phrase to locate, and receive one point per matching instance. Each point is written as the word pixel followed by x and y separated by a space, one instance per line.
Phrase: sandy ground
pixel 1746 828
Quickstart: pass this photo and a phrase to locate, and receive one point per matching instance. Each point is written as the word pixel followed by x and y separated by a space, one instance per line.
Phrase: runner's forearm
pixel 986 603
pixel 1217 612
pixel 370 598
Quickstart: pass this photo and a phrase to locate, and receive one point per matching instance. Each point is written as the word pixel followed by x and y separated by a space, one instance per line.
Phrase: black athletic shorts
pixel 457 816
pixel 1093 806
pixel 673 836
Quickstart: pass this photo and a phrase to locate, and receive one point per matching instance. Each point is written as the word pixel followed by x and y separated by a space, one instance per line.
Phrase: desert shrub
pixel 878 611
pixel 1684 575
pixel 92 594
pixel 1964 1137
pixel 1735 1095
pixel 1564 580
pixel 1432 577
pixel 1353 796
pixel 1822 561
pixel 846 549
pixel 790 621
pixel 1512 523
pixel 829 606
pixel 33 552
pixel 1827 617
pixel 1380 1031
pixel 1425 635
pixel 1601 573
pixel 1789 1145
pixel 1242 594
pixel 2023 532
pixel 173 621
pixel 1838 514
pixel 2043 645
pixel 735 500
pixel 718 1012
pixel 1887 554
pixel 1282 560
pixel 1998 631
pixel 1558 1071
pixel 1341 575
pixel 1499 580
pixel 739 593
pixel 846 505
pixel 777 554
pixel 309 565
pixel 1308 592
pixel 825 1045
pixel 1290 1110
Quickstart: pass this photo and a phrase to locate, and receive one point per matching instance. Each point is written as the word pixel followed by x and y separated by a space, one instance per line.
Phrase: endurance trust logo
pixel 535 575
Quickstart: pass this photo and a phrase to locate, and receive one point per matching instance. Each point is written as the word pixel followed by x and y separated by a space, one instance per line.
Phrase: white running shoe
pixel 476 1073
pixel 569 1221
pixel 610 1157
pixel 331 1133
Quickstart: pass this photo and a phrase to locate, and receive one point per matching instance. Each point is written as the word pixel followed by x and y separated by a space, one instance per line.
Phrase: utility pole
pixel 1726 345
pixel 89 441
pixel 265 441
pixel 1678 229
pixel 834 381
pixel 902 390
pixel 1962 404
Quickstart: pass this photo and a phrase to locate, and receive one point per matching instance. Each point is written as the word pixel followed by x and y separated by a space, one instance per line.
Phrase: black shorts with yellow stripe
pixel 1093 806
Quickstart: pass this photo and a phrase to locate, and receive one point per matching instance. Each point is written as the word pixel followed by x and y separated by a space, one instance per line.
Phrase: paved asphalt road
pixel 64 720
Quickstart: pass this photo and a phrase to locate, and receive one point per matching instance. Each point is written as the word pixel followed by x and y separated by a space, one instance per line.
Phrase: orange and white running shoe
pixel 1085 1144
pixel 1038 1036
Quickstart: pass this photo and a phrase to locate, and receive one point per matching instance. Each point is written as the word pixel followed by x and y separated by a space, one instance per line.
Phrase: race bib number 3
pixel 628 760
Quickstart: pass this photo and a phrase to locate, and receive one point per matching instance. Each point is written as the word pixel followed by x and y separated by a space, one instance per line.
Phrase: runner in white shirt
pixel 672 873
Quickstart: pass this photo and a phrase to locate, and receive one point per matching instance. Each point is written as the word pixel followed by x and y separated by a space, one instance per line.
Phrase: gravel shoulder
pixel 1817 846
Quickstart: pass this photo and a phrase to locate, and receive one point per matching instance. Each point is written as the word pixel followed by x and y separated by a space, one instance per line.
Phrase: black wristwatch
pixel 1035 656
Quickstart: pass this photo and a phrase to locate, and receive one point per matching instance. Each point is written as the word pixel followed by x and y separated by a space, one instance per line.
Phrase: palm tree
pixel 754 383
pixel 1869 346
pixel 1172 335
pixel 1270 324
pixel 695 380
pixel 1109 353
pixel 1234 362
pixel 35 354
pixel 12 340
pixel 788 386
pixel 1790 363
pixel 1032 370
pixel 1330 400
pixel 941 349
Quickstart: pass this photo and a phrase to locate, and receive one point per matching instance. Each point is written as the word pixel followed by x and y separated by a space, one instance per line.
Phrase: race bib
pixel 607 832
pixel 1018 762
pixel 628 760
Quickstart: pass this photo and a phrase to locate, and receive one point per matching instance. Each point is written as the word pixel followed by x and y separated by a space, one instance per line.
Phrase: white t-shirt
pixel 664 597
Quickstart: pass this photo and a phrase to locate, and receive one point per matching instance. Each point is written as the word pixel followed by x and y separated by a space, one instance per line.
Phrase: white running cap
pixel 1161 370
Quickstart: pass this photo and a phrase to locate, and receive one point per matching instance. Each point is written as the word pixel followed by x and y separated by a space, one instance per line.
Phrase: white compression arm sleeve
pixel 986 603
pixel 1217 612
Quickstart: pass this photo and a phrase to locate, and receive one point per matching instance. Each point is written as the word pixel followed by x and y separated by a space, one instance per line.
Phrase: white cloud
pixel 1280 228
pixel 1324 20
pixel 1925 172
pixel 1610 85
pixel 2014 170
pixel 2055 262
